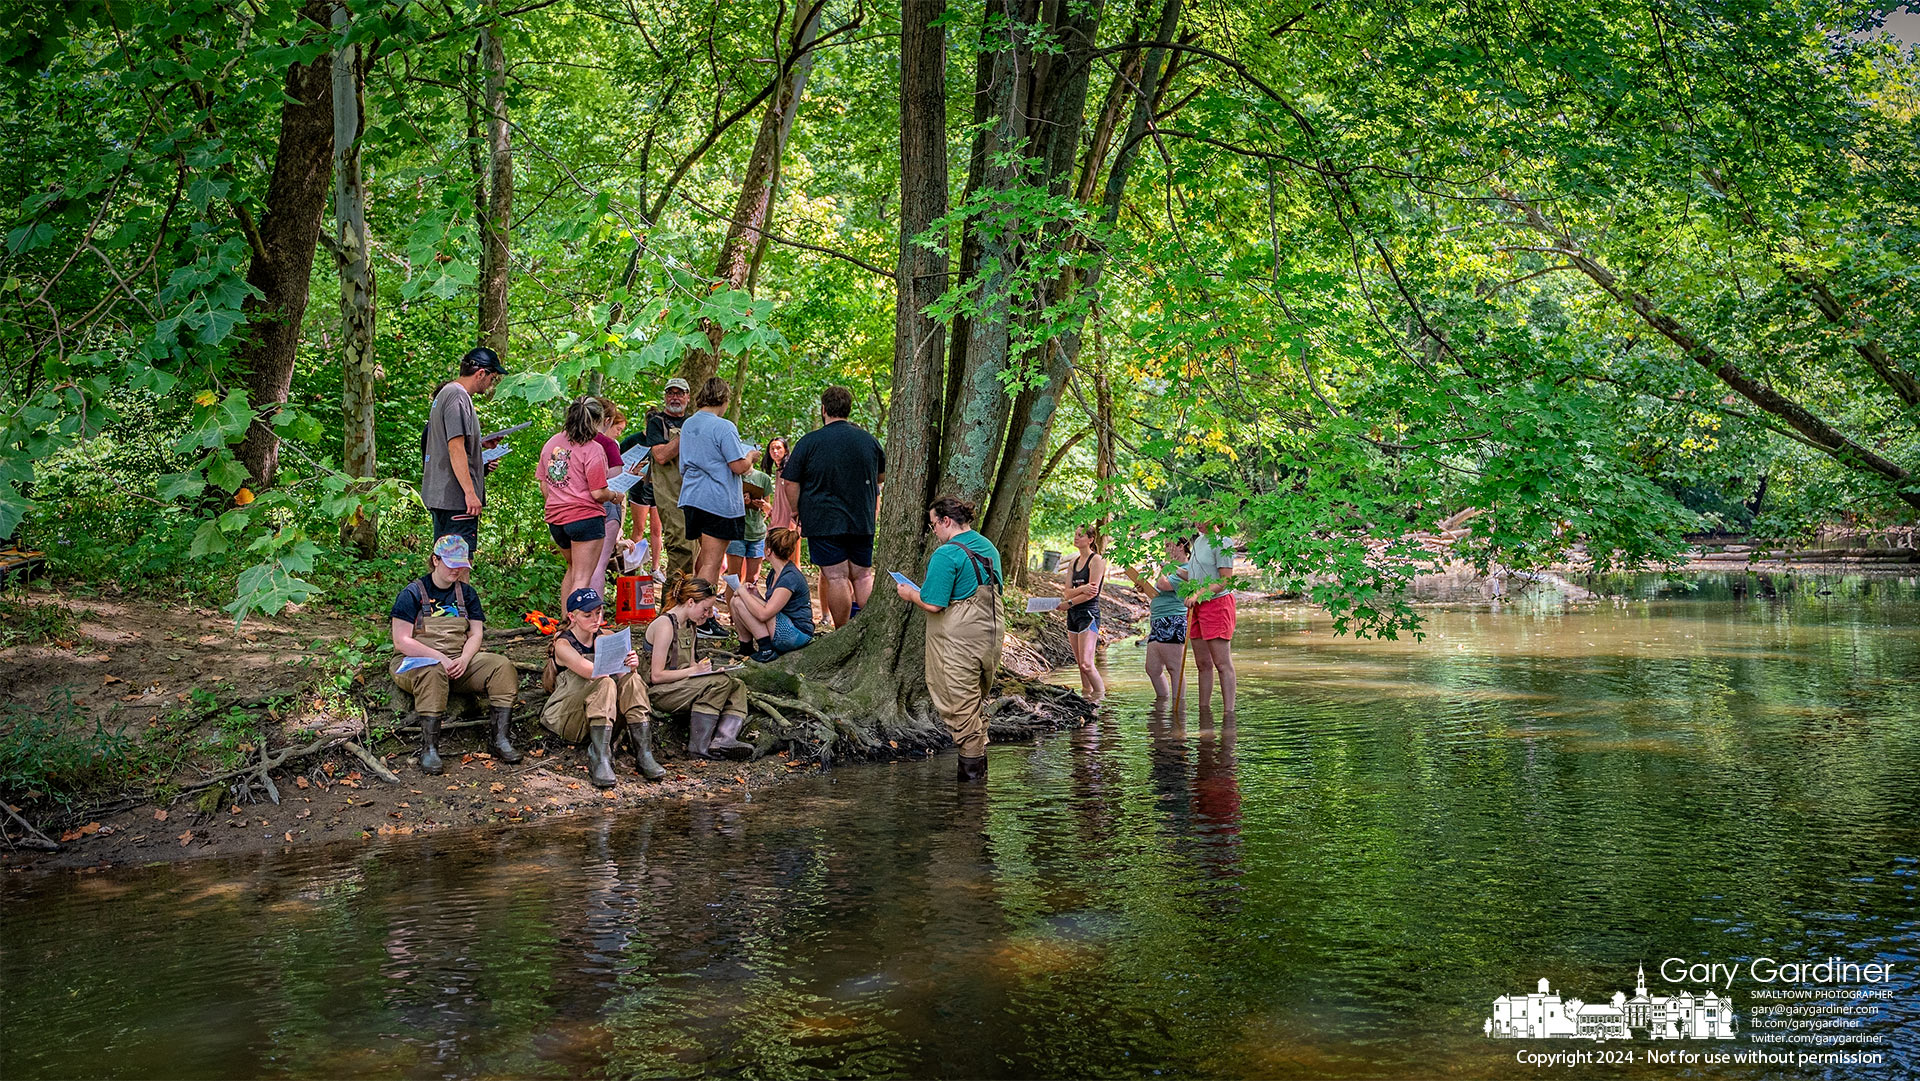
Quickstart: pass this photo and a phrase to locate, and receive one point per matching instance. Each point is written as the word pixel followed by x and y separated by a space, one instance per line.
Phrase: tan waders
pixel 487 674
pixel 963 657
pixel 715 703
pixel 583 710
pixel 678 557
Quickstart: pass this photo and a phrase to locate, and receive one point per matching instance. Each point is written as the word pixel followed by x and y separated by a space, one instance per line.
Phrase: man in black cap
pixel 454 483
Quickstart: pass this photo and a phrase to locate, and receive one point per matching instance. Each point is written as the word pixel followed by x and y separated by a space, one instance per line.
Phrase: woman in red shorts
pixel 1212 614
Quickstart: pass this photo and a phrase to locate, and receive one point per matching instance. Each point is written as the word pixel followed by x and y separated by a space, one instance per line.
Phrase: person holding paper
pixel 611 428
pixel 714 701
pixel 661 438
pixel 438 618
pixel 584 707
pixel 712 499
pixel 1166 615
pixel 780 619
pixel 832 481
pixel 744 555
pixel 1085 575
pixel 573 478
pixel 965 627
pixel 1213 614
pixel 453 483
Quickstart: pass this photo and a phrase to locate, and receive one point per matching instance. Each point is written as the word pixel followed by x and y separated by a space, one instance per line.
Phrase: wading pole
pixel 1180 681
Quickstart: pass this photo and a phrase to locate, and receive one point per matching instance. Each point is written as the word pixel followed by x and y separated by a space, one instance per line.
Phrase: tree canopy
pixel 1326 272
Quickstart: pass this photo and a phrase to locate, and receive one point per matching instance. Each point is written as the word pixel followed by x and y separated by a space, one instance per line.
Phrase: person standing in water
pixel 1213 614
pixel 1085 576
pixel 1166 617
pixel 961 596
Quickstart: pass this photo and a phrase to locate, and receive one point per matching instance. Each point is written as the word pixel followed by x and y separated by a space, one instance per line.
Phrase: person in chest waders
pixel 715 702
pixel 583 707
pixel 961 597
pixel 438 618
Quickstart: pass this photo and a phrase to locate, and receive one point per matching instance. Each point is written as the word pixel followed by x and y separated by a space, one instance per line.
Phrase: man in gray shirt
pixel 454 483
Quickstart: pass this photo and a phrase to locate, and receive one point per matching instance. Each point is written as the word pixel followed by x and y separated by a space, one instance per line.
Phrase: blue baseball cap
pixel 584 600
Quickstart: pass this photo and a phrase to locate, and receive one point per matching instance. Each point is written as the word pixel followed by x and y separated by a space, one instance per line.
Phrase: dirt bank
pixel 205 725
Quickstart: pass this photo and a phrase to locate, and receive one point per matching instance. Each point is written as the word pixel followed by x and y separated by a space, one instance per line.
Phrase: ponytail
pixel 783 542
pixel 690 590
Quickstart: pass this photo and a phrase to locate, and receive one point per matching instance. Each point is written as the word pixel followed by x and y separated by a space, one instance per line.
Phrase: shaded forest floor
pixel 123 724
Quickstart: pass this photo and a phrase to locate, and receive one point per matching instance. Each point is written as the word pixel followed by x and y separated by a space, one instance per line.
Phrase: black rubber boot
pixel 972 769
pixel 503 750
pixel 430 763
pixel 700 733
pixel 600 756
pixel 640 738
pixel 727 744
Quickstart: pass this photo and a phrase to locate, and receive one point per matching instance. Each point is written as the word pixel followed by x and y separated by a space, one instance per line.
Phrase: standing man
pixel 454 483
pixel 438 619
pixel 661 437
pixel 961 596
pixel 832 480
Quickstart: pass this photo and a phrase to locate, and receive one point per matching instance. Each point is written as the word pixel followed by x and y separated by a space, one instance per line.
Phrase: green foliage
pixel 47 751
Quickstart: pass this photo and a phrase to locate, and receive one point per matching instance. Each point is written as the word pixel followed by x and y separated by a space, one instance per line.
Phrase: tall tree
pixel 746 230
pixel 493 187
pixel 282 268
pixel 354 258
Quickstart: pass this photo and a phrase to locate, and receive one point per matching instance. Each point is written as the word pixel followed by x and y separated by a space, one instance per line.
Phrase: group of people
pixel 709 514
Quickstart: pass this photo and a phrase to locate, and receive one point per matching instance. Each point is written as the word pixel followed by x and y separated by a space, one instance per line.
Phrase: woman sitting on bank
pixel 584 707
pixel 1167 617
pixel 778 619
pixel 713 700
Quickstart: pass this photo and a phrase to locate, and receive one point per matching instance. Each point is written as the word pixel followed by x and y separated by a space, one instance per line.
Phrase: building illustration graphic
pixel 1545 1015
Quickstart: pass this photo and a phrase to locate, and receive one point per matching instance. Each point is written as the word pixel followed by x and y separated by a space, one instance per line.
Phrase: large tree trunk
pixel 494 196
pixel 746 231
pixel 289 233
pixel 873 669
pixel 977 413
pixel 1036 408
pixel 355 262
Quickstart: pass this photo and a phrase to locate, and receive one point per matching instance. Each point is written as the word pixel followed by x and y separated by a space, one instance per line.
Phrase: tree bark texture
pixel 976 416
pixel 494 200
pixel 1035 409
pixel 353 258
pixel 1815 430
pixel 747 229
pixel 282 270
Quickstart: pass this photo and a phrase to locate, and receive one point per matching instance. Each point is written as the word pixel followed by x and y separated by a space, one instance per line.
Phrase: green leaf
pixel 207 540
pixel 187 485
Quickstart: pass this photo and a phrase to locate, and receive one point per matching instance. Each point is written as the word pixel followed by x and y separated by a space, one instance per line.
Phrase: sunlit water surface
pixel 1338 883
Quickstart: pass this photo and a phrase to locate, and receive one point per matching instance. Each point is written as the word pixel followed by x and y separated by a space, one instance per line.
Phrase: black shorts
pixel 1083 617
pixel 643 493
pixel 456 523
pixel 581 532
pixel 854 548
pixel 705 523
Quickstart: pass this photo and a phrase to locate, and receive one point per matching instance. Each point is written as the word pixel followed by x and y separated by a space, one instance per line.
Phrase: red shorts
pixel 1214 618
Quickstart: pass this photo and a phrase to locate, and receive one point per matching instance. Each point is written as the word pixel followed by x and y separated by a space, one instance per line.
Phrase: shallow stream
pixel 1338 883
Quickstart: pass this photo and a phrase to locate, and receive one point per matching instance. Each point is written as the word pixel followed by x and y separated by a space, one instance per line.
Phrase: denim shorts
pixel 786 636
pixel 746 549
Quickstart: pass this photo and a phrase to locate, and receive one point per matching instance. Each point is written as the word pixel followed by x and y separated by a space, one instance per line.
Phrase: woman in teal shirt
pixel 961 597
pixel 1167 617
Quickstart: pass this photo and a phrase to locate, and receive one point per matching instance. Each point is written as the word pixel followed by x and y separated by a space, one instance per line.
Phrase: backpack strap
pixel 983 572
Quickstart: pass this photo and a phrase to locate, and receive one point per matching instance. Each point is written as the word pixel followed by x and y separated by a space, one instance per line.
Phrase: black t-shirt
pixel 458 599
pixel 838 469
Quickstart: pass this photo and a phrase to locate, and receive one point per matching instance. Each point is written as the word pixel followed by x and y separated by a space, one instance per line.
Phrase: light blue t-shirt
pixel 707 444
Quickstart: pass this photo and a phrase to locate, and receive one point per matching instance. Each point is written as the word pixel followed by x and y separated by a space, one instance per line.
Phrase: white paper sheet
pixel 622 482
pixel 494 454
pixel 610 652
pixel 1043 604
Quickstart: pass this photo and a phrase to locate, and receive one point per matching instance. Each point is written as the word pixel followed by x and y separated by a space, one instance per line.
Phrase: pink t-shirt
pixel 568 473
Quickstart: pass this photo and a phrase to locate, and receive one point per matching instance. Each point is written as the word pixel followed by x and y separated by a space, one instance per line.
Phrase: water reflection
pixel 1337 882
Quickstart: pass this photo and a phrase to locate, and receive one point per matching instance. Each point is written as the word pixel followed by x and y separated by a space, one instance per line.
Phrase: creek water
pixel 1338 883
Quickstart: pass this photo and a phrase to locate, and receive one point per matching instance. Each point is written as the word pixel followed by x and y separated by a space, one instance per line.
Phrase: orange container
pixel 633 599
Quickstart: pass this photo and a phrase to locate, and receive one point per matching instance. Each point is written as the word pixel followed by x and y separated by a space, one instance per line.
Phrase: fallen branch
pixel 324 743
pixel 378 767
pixel 34 839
